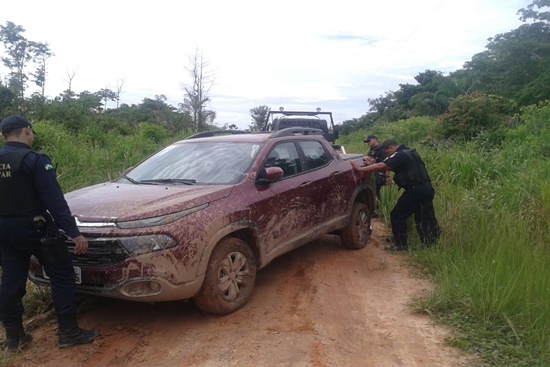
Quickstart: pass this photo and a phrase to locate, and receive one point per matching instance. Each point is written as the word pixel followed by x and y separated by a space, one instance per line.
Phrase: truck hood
pixel 116 202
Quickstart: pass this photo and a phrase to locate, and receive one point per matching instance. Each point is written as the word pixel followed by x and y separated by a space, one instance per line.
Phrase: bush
pixel 471 114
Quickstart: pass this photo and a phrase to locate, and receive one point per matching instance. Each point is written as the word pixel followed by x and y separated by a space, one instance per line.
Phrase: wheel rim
pixel 363 225
pixel 232 275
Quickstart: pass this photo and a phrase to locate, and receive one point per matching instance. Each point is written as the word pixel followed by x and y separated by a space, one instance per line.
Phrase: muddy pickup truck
pixel 197 219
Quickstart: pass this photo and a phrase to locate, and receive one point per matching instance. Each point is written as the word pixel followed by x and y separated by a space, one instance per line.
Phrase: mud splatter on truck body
pixel 197 219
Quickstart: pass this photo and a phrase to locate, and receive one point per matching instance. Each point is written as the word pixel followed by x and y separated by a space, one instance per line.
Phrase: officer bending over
pixel 376 153
pixel 32 207
pixel 410 175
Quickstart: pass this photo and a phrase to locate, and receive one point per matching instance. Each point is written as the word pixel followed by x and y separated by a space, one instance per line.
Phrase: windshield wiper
pixel 186 181
pixel 131 180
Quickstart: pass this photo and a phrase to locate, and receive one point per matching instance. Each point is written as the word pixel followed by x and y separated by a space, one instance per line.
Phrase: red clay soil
pixel 318 306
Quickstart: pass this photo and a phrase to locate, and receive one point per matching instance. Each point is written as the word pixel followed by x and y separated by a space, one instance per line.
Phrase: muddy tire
pixel 356 234
pixel 230 278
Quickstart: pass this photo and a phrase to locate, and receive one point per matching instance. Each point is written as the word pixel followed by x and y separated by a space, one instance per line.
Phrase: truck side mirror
pixel 269 175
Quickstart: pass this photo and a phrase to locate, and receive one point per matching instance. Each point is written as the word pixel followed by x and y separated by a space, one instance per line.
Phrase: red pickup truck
pixel 197 219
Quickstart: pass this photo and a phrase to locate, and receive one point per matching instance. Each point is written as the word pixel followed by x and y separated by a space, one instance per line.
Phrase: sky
pixel 299 54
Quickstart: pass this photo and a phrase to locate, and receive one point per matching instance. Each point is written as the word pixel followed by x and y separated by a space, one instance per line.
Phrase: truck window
pixel 315 155
pixel 284 156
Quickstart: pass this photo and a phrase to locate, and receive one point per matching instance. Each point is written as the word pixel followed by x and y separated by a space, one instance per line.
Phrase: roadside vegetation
pixel 491 268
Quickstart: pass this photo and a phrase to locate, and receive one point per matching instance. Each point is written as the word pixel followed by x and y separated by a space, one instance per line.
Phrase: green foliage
pixel 19 54
pixel 408 132
pixel 513 61
pixel 471 114
pixel 92 155
pixel 491 268
pixel 259 118
pixel 154 133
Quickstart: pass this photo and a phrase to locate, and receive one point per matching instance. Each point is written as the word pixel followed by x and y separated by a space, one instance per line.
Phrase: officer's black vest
pixel 18 196
pixel 377 153
pixel 415 172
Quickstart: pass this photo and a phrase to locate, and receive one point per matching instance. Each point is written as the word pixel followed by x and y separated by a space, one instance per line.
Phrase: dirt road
pixel 321 305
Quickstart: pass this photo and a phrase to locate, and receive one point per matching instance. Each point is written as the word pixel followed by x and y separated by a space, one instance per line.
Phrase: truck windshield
pixel 200 163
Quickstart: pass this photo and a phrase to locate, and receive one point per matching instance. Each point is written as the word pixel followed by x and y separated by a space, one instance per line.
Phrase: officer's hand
pixel 368 160
pixel 81 245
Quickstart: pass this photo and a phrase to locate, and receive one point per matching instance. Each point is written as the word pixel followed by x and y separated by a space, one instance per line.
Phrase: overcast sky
pixel 298 54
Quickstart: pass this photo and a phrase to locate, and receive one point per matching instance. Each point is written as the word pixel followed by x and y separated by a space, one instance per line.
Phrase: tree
pixel 70 77
pixel 531 13
pixel 106 96
pixel 515 63
pixel 472 114
pixel 40 58
pixel 259 117
pixel 89 102
pixel 119 84
pixel 19 52
pixel 6 100
pixel 196 95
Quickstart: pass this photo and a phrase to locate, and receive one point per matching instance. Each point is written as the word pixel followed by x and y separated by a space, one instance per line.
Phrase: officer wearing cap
pixel 32 208
pixel 412 176
pixel 376 155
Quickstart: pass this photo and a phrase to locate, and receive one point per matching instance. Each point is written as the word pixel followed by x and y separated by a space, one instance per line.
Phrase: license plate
pixel 77 271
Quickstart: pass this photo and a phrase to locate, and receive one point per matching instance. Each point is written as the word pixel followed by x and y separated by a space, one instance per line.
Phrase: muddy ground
pixel 321 305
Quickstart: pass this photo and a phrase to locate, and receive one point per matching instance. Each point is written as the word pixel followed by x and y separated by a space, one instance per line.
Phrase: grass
pixel 491 268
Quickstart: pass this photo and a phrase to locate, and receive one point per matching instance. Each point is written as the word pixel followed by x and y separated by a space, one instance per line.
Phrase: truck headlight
pixel 144 244
pixel 158 221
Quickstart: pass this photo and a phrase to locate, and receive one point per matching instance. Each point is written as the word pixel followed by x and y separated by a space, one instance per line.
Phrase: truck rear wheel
pixel 230 278
pixel 356 234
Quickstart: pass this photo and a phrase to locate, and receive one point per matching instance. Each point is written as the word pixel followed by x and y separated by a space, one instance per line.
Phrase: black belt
pixel 416 185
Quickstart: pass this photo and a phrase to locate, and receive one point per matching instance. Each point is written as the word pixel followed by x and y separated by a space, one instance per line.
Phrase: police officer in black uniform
pixel 412 176
pixel 32 208
pixel 376 155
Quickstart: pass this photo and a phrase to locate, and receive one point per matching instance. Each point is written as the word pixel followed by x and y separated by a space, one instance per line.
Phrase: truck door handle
pixel 305 183
pixel 335 173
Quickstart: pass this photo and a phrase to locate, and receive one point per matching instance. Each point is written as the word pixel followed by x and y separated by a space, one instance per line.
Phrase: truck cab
pixel 279 120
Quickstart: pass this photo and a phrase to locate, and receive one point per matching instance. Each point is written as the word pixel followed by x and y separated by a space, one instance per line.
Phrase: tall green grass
pixel 493 265
pixel 93 156
pixel 491 268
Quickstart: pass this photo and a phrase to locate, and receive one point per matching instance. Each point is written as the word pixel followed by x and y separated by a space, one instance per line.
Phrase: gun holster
pixel 54 249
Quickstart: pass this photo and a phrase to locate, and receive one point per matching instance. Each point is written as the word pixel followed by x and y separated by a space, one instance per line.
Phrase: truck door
pixel 328 180
pixel 284 212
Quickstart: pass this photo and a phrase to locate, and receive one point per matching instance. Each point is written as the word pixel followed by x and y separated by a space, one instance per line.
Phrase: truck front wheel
pixel 356 234
pixel 230 278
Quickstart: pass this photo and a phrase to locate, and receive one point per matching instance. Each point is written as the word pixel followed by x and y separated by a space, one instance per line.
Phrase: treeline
pixel 483 96
pixel 26 64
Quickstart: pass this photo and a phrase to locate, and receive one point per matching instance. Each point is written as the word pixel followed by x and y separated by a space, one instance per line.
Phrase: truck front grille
pixel 100 253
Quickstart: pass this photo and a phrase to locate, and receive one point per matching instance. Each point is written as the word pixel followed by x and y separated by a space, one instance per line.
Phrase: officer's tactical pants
pixel 417 200
pixel 15 258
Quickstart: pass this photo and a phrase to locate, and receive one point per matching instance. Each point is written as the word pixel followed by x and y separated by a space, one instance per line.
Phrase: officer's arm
pixel 52 196
pixel 371 168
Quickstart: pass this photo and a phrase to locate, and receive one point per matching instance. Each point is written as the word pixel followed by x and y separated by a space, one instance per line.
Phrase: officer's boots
pixel 16 336
pixel 71 334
